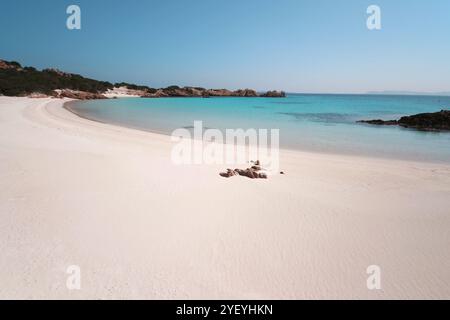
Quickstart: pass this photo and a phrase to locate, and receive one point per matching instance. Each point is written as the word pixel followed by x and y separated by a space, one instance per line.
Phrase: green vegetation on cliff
pixel 18 81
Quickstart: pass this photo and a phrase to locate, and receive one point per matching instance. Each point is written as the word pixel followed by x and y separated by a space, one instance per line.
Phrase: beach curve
pixel 109 199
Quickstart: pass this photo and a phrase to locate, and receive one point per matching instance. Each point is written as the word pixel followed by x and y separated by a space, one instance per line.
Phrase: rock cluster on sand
pixel 253 172
pixel 437 121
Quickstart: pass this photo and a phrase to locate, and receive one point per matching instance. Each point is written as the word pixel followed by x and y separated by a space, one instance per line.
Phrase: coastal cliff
pixel 16 80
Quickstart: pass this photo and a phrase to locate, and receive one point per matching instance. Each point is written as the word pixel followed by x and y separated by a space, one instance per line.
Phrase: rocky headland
pixel 175 91
pixel 16 80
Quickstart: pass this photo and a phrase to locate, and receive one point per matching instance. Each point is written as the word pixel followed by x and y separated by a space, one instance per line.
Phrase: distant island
pixel 16 80
pixel 409 93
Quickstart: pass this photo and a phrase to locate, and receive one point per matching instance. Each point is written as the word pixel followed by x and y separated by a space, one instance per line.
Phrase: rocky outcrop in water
pixel 437 121
pixel 274 94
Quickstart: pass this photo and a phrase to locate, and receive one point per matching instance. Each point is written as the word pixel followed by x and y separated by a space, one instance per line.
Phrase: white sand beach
pixel 109 199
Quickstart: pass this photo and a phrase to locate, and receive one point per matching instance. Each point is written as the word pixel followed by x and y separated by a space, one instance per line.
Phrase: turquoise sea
pixel 321 123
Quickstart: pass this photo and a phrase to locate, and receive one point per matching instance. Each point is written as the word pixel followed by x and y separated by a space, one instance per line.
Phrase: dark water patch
pixel 291 102
pixel 192 128
pixel 382 112
pixel 320 117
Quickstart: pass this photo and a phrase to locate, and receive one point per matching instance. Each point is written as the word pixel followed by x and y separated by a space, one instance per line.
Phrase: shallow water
pixel 323 123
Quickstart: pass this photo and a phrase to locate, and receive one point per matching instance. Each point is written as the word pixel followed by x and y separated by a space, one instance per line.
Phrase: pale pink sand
pixel 110 200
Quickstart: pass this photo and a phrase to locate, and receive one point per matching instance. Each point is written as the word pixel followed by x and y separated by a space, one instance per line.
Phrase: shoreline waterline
pixel 360 151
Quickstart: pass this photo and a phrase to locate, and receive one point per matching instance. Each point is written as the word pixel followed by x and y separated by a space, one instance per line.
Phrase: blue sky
pixel 294 45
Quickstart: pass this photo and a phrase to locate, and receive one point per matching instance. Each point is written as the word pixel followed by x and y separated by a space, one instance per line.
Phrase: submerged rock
pixel 380 122
pixel 245 93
